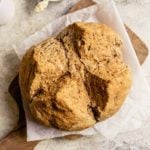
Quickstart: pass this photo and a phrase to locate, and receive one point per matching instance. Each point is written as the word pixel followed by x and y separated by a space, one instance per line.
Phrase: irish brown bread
pixel 76 79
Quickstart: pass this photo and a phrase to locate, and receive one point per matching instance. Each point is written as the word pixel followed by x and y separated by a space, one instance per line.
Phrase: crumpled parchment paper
pixel 136 108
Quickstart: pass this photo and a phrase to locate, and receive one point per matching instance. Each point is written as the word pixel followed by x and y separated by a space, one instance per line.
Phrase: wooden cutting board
pixel 17 139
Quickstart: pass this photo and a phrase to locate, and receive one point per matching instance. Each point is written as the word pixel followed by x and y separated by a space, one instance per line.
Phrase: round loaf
pixel 76 79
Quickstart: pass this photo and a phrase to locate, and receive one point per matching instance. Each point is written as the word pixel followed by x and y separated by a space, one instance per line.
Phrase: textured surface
pixel 73 83
pixel 26 22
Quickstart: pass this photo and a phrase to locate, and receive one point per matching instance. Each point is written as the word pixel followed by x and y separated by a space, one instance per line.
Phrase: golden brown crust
pixel 77 79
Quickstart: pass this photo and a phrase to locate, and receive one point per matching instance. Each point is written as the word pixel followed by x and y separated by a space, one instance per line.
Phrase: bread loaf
pixel 76 79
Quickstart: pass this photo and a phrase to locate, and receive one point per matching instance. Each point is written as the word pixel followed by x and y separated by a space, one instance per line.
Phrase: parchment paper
pixel 136 108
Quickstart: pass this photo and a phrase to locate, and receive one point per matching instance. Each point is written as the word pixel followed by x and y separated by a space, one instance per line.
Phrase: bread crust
pixel 76 79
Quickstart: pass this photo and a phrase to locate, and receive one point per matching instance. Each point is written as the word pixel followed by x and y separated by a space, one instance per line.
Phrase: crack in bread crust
pixel 96 87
